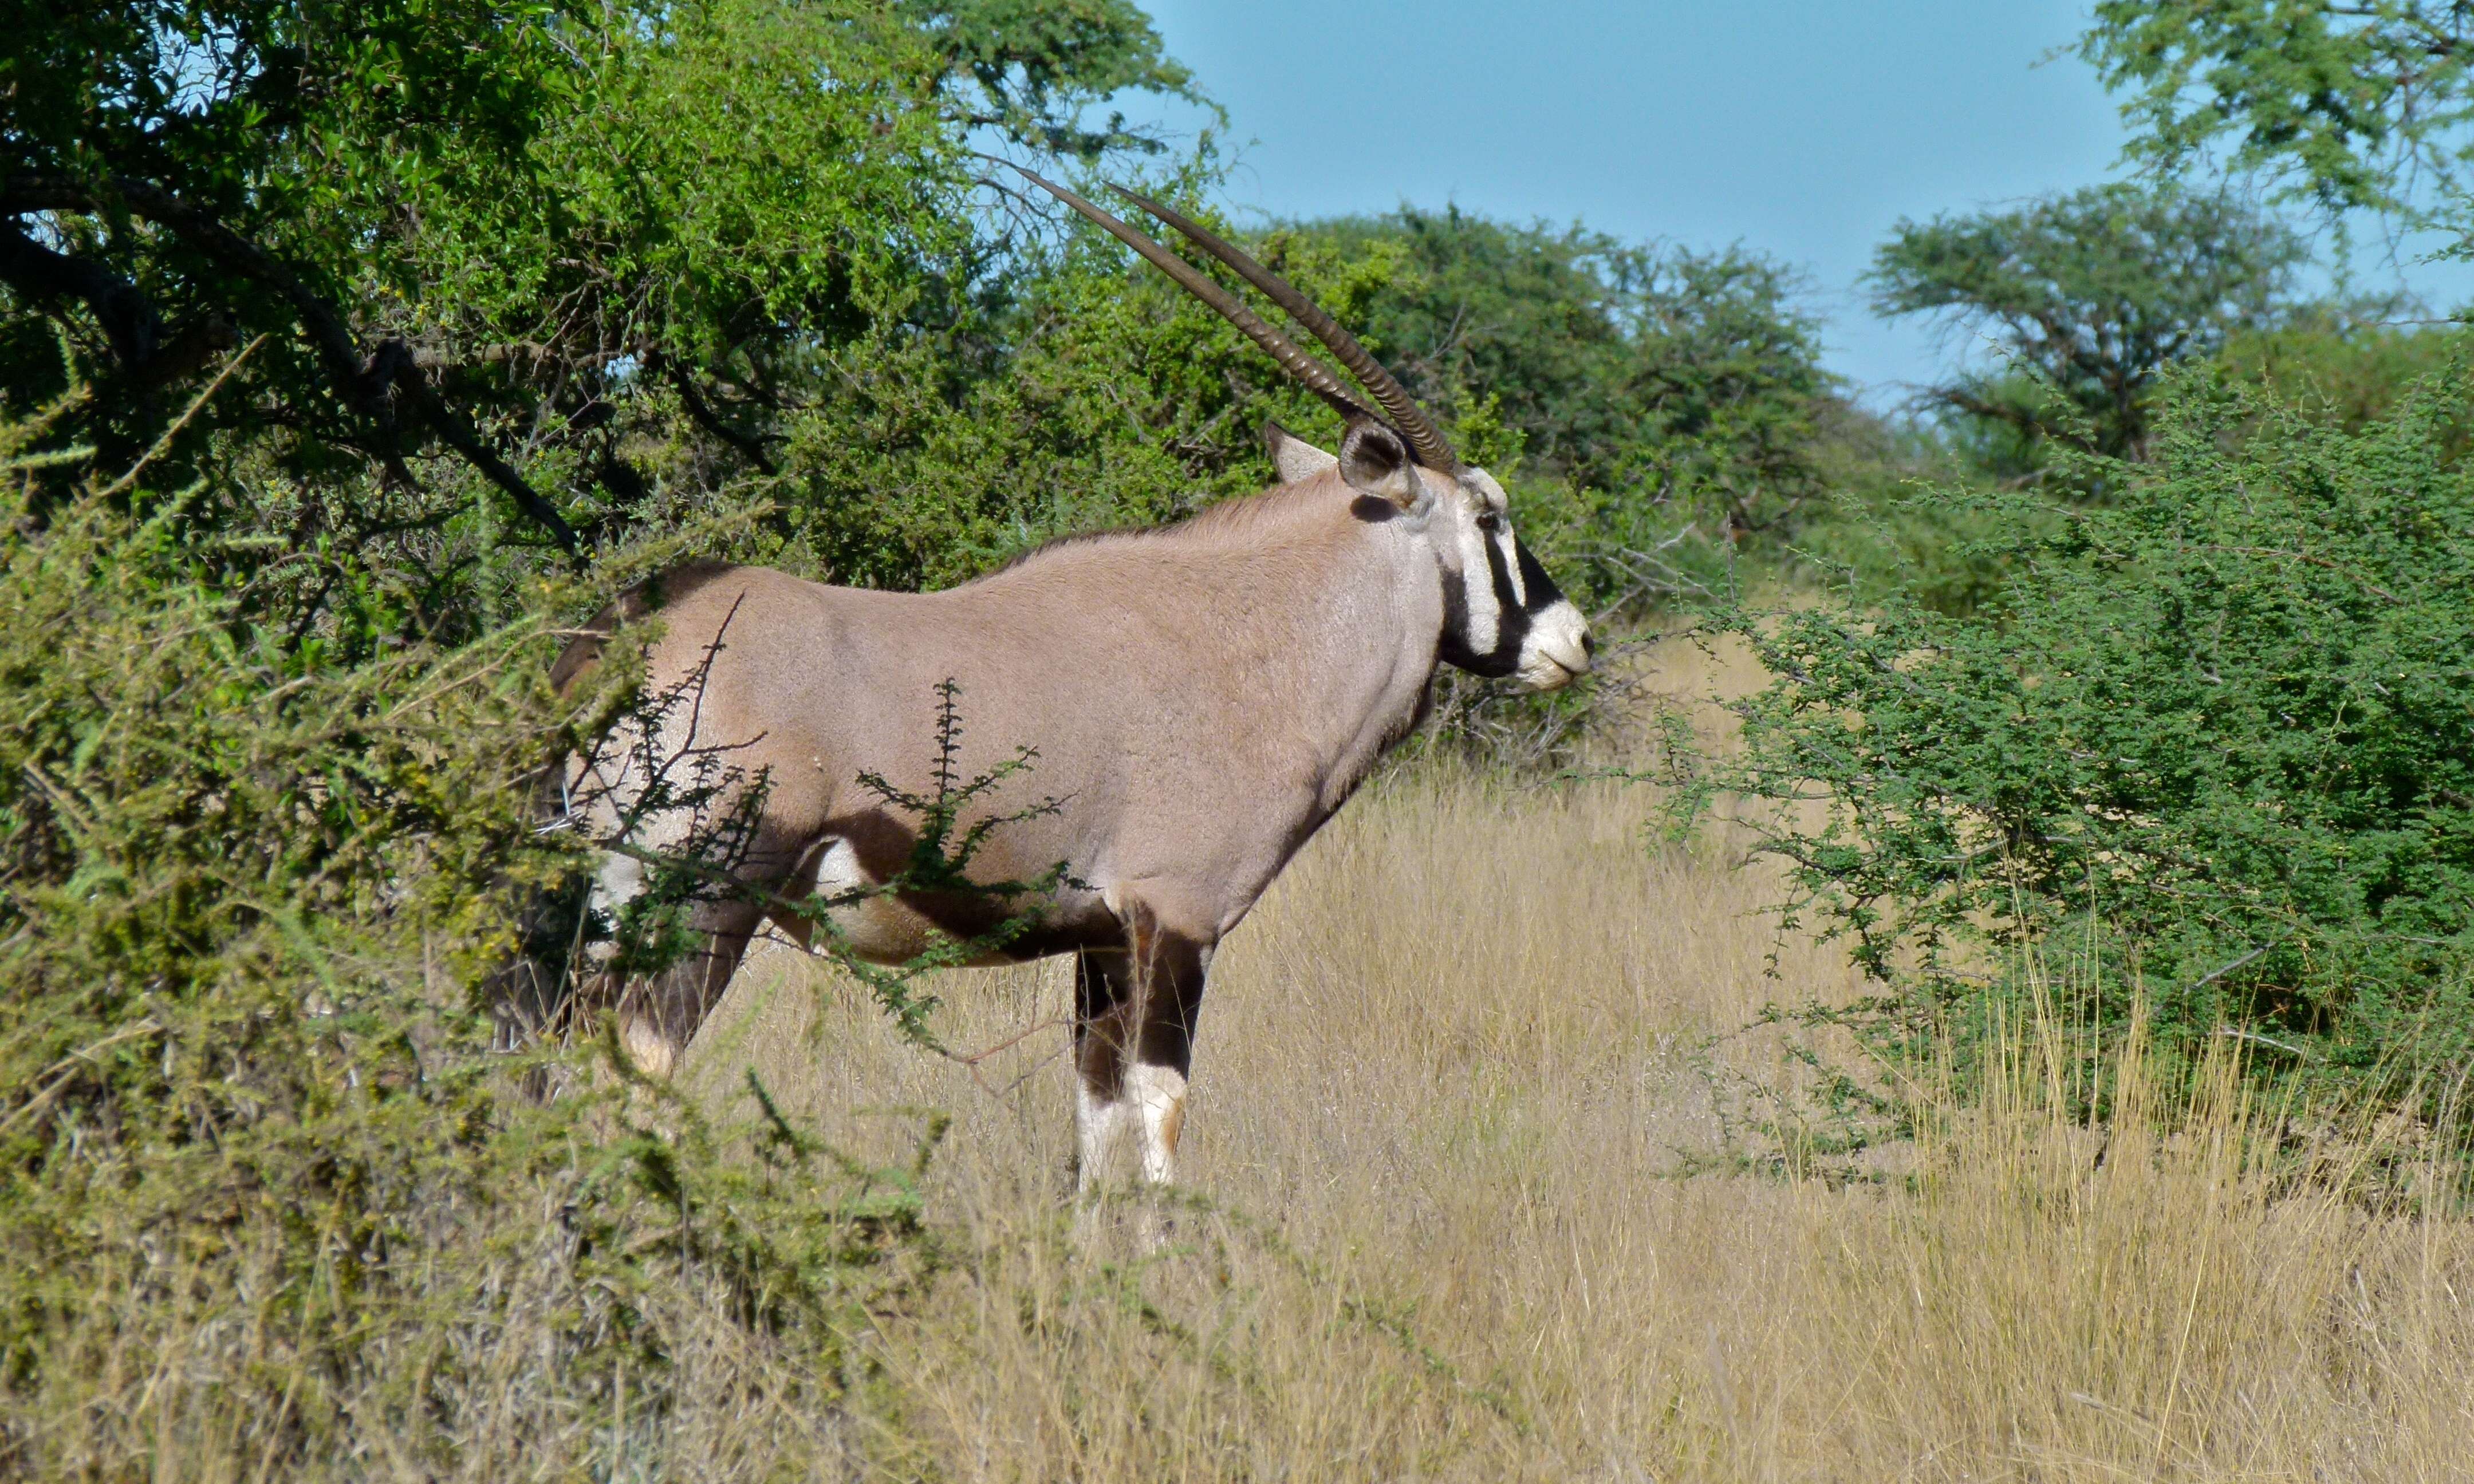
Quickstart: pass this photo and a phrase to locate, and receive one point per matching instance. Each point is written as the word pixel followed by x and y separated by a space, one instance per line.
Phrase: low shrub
pixel 2222 725
pixel 269 1201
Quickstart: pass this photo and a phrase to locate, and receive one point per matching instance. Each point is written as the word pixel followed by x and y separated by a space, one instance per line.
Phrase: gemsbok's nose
pixel 1558 647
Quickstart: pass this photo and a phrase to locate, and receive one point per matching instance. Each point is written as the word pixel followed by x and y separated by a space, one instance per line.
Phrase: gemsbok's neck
pixel 1332 622
pixel 1282 605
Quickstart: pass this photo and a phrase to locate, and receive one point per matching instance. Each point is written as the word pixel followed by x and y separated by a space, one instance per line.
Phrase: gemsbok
pixel 1201 698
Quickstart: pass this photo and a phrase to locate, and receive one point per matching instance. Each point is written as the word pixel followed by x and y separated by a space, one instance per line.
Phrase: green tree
pixel 1625 392
pixel 2352 375
pixel 1035 68
pixel 1079 390
pixel 521 236
pixel 2344 105
pixel 2089 298
pixel 1638 390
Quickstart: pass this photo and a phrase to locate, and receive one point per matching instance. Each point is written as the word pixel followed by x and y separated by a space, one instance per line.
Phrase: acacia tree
pixel 2094 294
pixel 2345 107
pixel 1641 390
pixel 2212 741
pixel 1607 357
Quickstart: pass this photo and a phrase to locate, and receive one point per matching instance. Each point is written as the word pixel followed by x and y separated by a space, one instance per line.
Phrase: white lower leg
pixel 620 881
pixel 1158 1096
pixel 1098 1128
pixel 652 1052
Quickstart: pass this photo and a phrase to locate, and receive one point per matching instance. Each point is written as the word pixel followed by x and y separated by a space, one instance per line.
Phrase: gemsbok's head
pixel 1503 616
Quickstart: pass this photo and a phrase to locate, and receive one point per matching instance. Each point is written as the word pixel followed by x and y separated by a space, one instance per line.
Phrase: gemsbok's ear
pixel 1297 460
pixel 1375 461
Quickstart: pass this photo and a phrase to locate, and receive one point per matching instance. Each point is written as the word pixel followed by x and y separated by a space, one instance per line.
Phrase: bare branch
pixel 127 315
pixel 749 445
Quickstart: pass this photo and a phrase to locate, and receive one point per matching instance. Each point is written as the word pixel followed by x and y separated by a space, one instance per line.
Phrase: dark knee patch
pixel 1170 966
pixel 1102 1004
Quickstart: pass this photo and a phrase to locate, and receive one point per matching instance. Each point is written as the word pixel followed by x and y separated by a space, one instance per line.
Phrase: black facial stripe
pixel 1453 649
pixel 1455 605
pixel 1513 625
pixel 1543 594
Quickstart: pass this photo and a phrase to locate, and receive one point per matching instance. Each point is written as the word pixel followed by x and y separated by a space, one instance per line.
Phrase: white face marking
pixel 1158 1096
pixel 1484 498
pixel 1484 624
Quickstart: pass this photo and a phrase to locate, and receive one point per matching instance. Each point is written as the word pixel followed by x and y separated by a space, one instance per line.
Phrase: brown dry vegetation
pixel 1460 1208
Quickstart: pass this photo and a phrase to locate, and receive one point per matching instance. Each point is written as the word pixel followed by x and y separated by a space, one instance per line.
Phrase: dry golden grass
pixel 1452 1079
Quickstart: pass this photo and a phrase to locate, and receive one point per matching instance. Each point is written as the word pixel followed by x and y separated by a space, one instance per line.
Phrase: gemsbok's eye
pixel 1490 521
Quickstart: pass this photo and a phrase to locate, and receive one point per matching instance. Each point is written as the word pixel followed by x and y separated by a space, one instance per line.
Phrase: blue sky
pixel 1803 129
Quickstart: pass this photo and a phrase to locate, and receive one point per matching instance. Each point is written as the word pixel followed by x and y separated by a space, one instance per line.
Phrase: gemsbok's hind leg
pixel 1135 1011
pixel 659 1012
pixel 658 1015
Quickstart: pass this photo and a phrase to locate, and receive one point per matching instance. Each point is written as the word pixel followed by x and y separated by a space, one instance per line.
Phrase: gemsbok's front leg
pixel 1134 1015
pixel 658 1014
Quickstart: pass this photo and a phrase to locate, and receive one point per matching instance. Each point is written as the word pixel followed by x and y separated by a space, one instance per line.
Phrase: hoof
pixel 1121 1224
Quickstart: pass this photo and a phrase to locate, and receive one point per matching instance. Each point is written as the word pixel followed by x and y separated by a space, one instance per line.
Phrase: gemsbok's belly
pixel 886 927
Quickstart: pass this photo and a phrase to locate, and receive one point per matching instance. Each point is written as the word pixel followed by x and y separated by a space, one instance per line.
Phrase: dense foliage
pixel 436 232
pixel 2325 365
pixel 2344 105
pixel 1093 393
pixel 524 276
pixel 260 1162
pixel 2217 734
pixel 1654 377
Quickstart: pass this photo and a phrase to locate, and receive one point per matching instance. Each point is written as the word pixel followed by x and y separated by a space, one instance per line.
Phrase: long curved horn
pixel 1316 376
pixel 1432 450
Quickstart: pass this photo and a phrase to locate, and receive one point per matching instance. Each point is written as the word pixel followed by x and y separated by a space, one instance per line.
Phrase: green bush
pixel 1094 393
pixel 2221 731
pixel 2350 375
pixel 268 1198
pixel 1874 535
